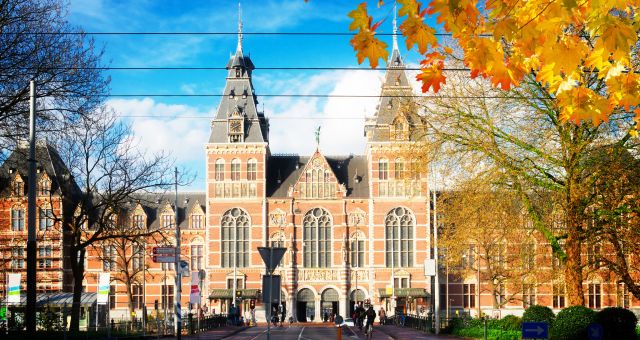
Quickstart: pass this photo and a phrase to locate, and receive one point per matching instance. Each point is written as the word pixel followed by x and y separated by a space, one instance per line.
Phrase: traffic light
pixel 238 294
pixel 252 304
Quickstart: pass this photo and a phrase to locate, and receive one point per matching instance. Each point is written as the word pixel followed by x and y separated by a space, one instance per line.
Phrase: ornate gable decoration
pixel 357 217
pixel 317 180
pixel 196 209
pixel 278 218
pixel 399 128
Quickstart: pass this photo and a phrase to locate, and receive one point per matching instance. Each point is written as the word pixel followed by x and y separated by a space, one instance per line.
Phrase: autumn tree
pixel 485 232
pixel 36 44
pixel 583 53
pixel 110 171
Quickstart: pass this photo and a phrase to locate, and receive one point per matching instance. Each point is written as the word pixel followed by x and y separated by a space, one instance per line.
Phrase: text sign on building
pixel 164 251
pixel 535 330
pixel 14 288
pixel 103 288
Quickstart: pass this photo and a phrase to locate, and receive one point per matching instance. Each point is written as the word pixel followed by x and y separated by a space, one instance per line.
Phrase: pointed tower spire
pixel 239 49
pixel 395 27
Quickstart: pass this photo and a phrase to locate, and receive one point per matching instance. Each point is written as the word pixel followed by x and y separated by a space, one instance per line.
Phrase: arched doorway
pixel 329 303
pixel 356 296
pixel 305 305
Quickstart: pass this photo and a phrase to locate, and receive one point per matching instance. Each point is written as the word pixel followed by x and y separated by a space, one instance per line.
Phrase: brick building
pixel 356 227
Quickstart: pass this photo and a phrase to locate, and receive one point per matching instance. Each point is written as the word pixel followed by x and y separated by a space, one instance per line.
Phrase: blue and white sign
pixel 595 331
pixel 535 330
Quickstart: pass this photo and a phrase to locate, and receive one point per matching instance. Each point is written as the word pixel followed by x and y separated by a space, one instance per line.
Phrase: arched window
pixel 197 254
pixel 398 169
pixel 235 238
pixel 138 221
pixel 383 169
pixel 235 169
pixel 317 238
pixel 219 169
pixel 252 169
pixel 278 240
pixel 17 219
pixel 399 225
pixel 44 187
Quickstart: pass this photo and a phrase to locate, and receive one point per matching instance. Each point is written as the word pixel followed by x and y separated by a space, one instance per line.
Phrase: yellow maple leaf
pixel 367 46
pixel 361 19
pixel 418 33
pixel 624 90
pixel 431 76
pixel 408 7
pixel 583 104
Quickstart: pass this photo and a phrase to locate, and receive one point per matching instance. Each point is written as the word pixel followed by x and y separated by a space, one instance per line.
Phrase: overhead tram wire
pixel 205 68
pixel 215 33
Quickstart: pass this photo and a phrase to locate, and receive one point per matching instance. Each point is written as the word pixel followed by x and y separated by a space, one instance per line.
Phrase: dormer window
pixel 237 72
pixel 244 94
pixel 231 95
pixel 44 187
pixel 18 187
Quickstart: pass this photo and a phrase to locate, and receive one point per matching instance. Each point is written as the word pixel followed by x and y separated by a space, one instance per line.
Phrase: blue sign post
pixel 535 330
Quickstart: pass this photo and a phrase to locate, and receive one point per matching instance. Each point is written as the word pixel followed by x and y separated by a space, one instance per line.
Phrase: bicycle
pixel 368 330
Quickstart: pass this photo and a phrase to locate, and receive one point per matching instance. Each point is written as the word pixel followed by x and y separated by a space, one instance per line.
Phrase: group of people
pixel 366 317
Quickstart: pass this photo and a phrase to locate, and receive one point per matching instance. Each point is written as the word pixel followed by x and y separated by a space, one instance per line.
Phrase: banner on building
pixel 103 288
pixel 14 288
pixel 194 297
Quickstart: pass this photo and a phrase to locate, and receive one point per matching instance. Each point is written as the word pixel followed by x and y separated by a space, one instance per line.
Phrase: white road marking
pixel 300 335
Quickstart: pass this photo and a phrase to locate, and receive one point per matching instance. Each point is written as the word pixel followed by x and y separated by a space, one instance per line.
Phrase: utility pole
pixel 177 269
pixel 435 256
pixel 31 216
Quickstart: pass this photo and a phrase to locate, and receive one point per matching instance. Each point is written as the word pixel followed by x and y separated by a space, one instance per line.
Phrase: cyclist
pixel 371 317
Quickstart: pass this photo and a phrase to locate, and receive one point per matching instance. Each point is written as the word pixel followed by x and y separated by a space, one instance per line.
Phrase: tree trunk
pixel 573 247
pixel 130 295
pixel 77 267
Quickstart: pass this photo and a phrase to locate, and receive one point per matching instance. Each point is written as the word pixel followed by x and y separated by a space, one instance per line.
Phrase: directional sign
pixel 271 256
pixel 164 258
pixel 271 283
pixel 595 331
pixel 164 251
pixel 535 330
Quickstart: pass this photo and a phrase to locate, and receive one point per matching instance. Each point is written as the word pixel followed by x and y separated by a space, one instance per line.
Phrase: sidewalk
pixel 215 334
pixel 406 333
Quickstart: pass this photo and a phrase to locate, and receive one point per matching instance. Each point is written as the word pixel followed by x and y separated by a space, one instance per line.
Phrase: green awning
pixel 405 292
pixel 227 293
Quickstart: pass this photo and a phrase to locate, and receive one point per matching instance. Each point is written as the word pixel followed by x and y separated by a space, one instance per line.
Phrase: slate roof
pixel 283 171
pixel 58 299
pixel 395 84
pixel 48 161
pixel 244 100
pixel 153 204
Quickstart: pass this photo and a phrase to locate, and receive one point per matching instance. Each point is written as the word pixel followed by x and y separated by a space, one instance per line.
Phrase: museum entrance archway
pixel 329 303
pixel 305 305
pixel 356 296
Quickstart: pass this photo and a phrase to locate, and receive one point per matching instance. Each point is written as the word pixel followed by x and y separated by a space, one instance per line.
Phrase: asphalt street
pixel 304 333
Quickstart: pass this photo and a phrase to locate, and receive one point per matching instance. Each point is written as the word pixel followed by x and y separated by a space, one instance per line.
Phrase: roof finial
pixel 239 49
pixel 395 27
pixel 318 136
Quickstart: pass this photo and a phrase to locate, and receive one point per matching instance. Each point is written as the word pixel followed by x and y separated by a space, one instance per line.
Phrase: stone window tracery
pixel 317 238
pixel 235 238
pixel 318 183
pixel 399 224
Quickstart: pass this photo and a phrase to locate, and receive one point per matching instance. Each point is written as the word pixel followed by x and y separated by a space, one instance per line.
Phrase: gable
pixel 317 180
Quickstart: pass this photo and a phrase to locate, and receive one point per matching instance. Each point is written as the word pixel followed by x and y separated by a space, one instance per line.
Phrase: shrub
pixel 617 322
pixel 537 313
pixel 571 323
pixel 510 323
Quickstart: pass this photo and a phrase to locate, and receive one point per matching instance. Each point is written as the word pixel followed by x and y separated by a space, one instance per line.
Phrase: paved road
pixel 304 333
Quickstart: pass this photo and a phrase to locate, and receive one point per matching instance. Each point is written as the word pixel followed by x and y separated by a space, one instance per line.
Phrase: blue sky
pixel 180 125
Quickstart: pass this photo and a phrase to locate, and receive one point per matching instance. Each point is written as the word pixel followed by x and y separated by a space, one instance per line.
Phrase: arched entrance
pixel 329 303
pixel 305 305
pixel 356 296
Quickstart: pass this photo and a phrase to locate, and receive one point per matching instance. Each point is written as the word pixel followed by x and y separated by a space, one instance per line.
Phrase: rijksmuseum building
pixel 356 227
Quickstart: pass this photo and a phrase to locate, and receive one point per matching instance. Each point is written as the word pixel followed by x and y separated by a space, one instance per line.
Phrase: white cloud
pixel 179 129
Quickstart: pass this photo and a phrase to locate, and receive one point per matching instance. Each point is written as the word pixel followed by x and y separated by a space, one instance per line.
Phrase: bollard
pixel 339 333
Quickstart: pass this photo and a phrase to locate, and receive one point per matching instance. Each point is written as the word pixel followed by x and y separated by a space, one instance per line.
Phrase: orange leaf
pixel 408 7
pixel 361 19
pixel 431 76
pixel 368 46
pixel 580 103
pixel 418 33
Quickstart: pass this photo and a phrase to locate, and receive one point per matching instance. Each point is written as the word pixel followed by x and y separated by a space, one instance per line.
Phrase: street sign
pixel 164 258
pixel 184 267
pixel 429 267
pixel 271 256
pixel 271 282
pixel 535 330
pixel 103 288
pixel 595 331
pixel 164 251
